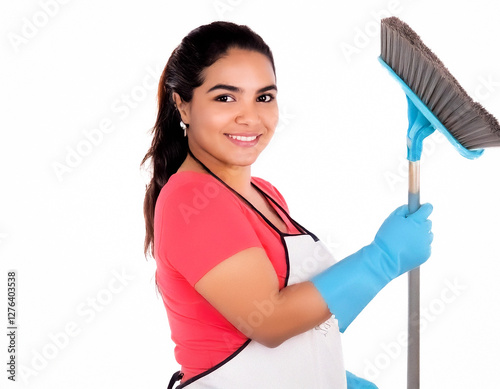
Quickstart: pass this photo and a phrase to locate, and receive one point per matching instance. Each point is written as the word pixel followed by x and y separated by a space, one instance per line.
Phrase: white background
pixel 88 314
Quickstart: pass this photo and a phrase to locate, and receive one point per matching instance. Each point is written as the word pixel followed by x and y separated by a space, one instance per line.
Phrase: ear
pixel 182 107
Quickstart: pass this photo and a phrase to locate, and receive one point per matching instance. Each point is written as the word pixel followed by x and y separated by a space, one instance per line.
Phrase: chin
pixel 243 161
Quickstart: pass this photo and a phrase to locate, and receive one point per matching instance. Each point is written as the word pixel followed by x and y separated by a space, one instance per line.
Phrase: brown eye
pixel 265 98
pixel 224 99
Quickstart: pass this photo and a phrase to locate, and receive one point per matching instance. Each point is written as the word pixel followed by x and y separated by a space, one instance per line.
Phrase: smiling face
pixel 233 114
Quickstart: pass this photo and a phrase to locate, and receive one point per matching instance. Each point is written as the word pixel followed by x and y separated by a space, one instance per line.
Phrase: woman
pixel 254 300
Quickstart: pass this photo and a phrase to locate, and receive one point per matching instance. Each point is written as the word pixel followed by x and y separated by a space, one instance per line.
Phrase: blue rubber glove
pixel 402 243
pixel 354 382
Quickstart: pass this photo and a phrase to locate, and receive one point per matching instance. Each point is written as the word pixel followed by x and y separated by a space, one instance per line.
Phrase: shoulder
pixel 271 190
pixel 189 192
pixel 184 180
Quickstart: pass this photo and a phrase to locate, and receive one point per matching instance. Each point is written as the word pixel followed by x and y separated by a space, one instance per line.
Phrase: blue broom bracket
pixel 419 128
pixel 422 123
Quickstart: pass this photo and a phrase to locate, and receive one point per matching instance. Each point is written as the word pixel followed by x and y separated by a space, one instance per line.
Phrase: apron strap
pixel 175 377
pixel 269 198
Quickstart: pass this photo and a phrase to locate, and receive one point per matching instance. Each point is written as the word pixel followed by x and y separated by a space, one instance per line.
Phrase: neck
pixel 236 177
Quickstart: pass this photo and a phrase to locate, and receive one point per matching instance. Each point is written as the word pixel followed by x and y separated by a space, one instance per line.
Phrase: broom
pixel 435 101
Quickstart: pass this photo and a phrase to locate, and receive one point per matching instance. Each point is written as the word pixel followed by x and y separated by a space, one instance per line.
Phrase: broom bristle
pixel 469 123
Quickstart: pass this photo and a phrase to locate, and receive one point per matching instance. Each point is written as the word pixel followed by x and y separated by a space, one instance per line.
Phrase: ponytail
pixel 167 152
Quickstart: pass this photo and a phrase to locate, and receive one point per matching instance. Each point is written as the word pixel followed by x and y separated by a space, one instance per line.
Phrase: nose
pixel 248 114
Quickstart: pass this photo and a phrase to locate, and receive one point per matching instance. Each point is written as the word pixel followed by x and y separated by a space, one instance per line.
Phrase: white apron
pixel 312 359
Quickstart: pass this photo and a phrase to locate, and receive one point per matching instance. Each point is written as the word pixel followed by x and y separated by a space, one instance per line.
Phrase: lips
pixel 244 140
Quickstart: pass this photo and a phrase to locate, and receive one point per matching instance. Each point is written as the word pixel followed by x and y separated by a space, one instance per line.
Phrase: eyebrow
pixel 235 89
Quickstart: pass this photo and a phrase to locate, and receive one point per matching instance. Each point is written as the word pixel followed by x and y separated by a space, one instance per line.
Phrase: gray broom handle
pixel 414 288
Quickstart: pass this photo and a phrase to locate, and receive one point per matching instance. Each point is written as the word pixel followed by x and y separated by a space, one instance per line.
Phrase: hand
pixel 402 243
pixel 405 239
pixel 354 382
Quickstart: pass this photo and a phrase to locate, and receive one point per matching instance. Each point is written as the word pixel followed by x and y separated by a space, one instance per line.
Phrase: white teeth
pixel 243 138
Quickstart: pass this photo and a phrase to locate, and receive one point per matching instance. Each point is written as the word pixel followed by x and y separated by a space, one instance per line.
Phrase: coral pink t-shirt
pixel 199 223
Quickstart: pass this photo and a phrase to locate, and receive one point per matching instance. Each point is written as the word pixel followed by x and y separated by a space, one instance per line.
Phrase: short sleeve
pixel 199 223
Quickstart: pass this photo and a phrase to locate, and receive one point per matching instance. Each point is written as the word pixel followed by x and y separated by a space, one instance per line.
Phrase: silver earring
pixel 184 127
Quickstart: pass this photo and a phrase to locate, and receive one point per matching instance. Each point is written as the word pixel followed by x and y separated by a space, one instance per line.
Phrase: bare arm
pixel 244 289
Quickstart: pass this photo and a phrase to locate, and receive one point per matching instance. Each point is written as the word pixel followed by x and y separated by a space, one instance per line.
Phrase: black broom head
pixel 466 120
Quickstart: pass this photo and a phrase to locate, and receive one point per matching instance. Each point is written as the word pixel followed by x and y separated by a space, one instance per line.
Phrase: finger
pixel 422 213
pixel 402 210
